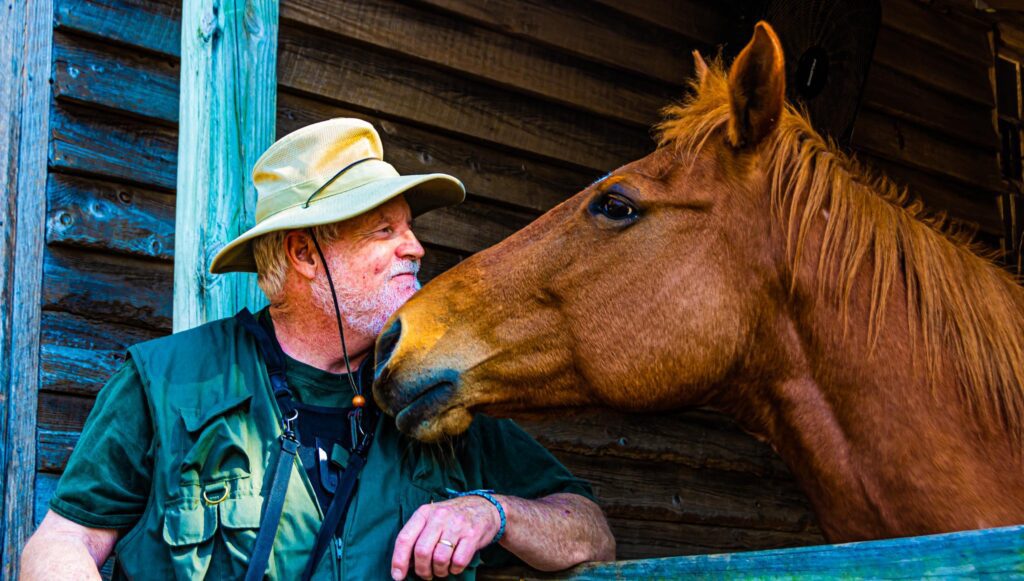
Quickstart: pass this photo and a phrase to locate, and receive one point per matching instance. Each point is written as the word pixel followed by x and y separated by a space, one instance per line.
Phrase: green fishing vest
pixel 215 430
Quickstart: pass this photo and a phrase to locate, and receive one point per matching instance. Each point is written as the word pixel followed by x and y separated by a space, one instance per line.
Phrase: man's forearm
pixel 62 549
pixel 557 531
pixel 55 557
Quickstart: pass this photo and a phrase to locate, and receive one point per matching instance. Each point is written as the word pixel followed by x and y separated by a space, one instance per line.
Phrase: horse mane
pixel 873 223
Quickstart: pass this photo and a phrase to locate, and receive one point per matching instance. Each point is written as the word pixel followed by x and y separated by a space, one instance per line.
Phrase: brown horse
pixel 749 266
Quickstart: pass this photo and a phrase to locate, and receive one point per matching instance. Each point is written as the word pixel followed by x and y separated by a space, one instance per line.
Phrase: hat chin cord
pixel 337 314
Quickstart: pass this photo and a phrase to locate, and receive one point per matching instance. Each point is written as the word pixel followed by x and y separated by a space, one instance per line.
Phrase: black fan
pixel 829 45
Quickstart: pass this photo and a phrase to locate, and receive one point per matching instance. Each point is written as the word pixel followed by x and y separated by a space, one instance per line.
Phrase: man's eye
pixel 616 207
pixel 387 230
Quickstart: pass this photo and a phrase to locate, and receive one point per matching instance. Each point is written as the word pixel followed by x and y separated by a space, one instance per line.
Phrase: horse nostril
pixel 386 344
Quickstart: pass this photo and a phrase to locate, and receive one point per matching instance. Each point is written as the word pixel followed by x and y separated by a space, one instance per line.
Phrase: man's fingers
pixel 423 552
pixel 443 556
pixel 404 544
pixel 464 552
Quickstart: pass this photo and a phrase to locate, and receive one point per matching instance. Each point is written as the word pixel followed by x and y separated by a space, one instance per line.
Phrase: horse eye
pixel 616 207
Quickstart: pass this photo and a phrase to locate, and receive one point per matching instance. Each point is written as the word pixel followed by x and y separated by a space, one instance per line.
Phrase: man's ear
pixel 757 88
pixel 300 253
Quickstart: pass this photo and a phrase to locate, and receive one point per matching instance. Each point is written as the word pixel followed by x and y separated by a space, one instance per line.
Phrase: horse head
pixel 648 290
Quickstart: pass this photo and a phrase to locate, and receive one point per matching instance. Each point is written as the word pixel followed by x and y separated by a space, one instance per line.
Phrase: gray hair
pixel 272 262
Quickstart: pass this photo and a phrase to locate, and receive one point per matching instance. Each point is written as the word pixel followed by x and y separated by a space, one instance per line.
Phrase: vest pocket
pixel 214 445
pixel 212 538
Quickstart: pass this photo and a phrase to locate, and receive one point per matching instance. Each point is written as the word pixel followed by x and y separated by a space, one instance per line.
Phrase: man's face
pixel 374 265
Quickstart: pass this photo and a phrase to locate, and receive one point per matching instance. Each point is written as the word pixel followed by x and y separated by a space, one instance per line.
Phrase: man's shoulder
pixel 196 337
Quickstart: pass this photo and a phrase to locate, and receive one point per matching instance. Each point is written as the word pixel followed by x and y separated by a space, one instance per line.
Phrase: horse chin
pixel 448 423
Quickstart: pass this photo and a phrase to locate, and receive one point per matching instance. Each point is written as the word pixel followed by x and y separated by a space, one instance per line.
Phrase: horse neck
pixel 877 442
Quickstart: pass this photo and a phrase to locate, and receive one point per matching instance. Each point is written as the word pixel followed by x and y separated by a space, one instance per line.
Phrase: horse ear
pixel 757 88
pixel 700 66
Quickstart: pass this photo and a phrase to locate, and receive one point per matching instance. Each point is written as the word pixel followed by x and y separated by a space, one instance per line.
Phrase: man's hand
pixel 468 523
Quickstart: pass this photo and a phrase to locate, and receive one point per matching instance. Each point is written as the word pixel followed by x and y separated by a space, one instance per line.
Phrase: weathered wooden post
pixel 26 36
pixel 228 104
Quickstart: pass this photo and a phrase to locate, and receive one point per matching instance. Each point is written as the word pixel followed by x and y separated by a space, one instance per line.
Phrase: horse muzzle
pixel 415 394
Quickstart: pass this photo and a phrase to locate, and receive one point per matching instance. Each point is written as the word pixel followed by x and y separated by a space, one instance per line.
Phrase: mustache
pixel 405 267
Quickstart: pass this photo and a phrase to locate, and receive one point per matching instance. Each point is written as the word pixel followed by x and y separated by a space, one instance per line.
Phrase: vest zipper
pixel 339 547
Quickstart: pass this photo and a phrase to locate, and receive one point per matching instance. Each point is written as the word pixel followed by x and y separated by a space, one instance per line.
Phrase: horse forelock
pixel 959 303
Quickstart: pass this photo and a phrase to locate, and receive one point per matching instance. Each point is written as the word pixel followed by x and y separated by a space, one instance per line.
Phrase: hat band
pixel 309 193
pixel 336 176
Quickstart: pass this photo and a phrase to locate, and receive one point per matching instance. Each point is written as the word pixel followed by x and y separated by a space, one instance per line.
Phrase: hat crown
pixel 313 155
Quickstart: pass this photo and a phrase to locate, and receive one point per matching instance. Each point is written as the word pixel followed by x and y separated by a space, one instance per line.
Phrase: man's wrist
pixel 490 497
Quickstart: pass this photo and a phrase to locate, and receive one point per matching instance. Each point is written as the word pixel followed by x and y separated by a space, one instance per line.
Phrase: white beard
pixel 366 313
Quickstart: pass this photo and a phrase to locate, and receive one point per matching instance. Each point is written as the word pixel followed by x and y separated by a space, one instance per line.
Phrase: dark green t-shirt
pixel 107 480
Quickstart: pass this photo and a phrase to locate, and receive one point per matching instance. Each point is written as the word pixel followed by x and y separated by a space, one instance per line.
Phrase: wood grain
pixel 228 110
pixel 108 287
pixel 127 80
pixel 905 143
pixel 696 439
pixel 938 68
pixel 25 48
pixel 78 355
pixel 951 118
pixel 84 212
pixel 949 31
pixel 107 144
pixel 599 34
pixel 511 63
pixel 706 22
pixel 350 75
pixel 987 553
pixel 155 25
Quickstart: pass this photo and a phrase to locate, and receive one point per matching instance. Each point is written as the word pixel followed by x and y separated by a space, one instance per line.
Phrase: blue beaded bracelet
pixel 484 494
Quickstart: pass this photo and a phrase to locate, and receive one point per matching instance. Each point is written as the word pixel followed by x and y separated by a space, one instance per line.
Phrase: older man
pixel 246 447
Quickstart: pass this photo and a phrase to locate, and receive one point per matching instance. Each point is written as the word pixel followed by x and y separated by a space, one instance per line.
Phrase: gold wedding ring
pixel 447 543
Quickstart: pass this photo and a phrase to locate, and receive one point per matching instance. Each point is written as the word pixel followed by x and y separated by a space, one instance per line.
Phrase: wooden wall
pixel 527 102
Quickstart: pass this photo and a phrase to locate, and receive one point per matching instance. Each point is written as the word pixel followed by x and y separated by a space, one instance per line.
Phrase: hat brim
pixel 422 192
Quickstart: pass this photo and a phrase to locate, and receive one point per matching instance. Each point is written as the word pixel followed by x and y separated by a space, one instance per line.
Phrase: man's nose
pixel 410 248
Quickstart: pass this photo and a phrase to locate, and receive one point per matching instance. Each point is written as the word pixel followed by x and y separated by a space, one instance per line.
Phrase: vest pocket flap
pixel 189 525
pixel 241 513
pixel 196 419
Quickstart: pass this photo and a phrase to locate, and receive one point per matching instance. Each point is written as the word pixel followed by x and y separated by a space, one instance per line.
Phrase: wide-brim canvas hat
pixel 328 172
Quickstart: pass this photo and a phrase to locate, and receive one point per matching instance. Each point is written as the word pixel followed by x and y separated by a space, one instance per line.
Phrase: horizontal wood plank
pixel 117 78
pixel 646 539
pixel 351 75
pixel 108 287
pixel 84 212
pixel 951 118
pixel 935 23
pixel 697 439
pixel 940 69
pixel 589 31
pixel 908 144
pixel 63 412
pixel 78 355
pixel 54 450
pixel 992 553
pixel 487 172
pixel 679 494
pixel 106 144
pixel 154 25
pixel 454 44
pixel 706 22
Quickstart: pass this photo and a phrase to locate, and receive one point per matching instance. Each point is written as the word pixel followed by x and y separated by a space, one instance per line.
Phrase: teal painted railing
pixel 995 553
